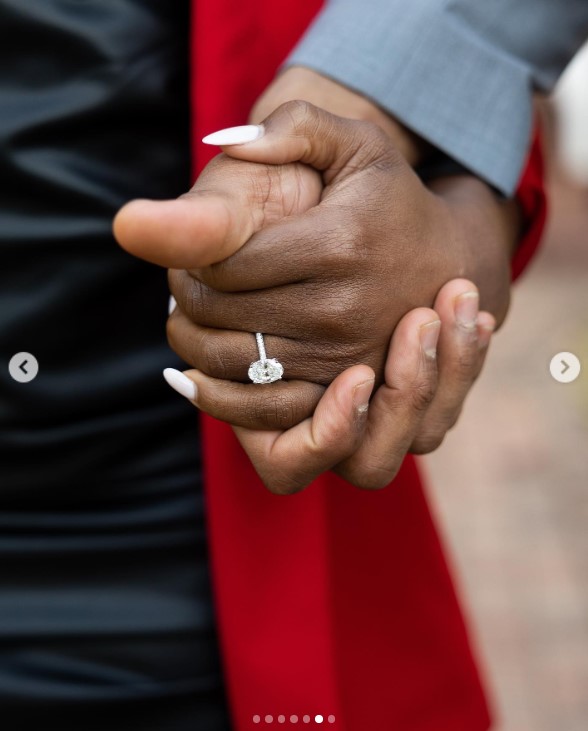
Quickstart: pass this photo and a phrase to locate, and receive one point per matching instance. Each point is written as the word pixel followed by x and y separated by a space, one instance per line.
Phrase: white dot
pixel 318 718
pixel 256 719
pixel 331 719
pixel 281 719
pixel 293 719
pixel 269 719
pixel 306 719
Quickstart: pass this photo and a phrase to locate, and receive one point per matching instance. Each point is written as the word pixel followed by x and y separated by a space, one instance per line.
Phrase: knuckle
pixel 275 412
pixel 212 357
pixel 342 314
pixel 346 246
pixel 372 475
pixel 211 276
pixel 376 478
pixel 333 316
pixel 190 294
pixel 386 162
pixel 427 443
pixel 281 482
pixel 303 114
pixel 422 395
pixel 465 365
pixel 374 481
pixel 374 132
pixel 196 300
pixel 375 135
pixel 376 148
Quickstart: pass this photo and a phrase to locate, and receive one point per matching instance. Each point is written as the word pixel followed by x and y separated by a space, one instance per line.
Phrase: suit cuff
pixel 466 97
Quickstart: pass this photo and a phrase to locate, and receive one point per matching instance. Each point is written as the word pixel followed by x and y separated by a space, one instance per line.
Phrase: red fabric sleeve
pixel 532 199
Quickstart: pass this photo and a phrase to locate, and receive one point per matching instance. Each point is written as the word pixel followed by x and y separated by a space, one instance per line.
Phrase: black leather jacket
pixel 105 614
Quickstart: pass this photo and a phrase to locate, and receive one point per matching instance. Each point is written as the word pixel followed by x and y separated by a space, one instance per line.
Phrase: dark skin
pixel 340 289
pixel 328 306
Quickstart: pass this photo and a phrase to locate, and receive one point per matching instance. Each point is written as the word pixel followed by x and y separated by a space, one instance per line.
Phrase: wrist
pixel 297 82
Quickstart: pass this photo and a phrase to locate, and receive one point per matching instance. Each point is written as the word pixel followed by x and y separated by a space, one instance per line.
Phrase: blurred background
pixel 510 483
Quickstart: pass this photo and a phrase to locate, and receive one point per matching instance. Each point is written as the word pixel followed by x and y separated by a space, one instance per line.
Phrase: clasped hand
pixel 319 235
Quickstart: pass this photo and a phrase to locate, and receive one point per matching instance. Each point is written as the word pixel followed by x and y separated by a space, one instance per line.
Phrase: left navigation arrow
pixel 23 367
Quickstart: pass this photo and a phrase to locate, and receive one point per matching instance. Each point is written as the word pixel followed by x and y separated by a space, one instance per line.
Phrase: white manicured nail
pixel 172 304
pixel 234 135
pixel 181 383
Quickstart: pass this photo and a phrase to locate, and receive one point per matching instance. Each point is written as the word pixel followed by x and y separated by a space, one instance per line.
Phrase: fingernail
pixel 361 396
pixel 429 335
pixel 181 383
pixel 484 335
pixel 466 310
pixel 235 135
pixel 172 304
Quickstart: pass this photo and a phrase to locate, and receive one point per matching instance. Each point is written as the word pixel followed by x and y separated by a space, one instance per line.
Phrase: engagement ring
pixel 264 370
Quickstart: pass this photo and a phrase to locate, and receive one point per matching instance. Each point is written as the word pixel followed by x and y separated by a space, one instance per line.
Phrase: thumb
pixel 230 201
pixel 287 461
pixel 297 131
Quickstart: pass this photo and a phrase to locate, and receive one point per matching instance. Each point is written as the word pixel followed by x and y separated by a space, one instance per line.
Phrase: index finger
pixel 399 405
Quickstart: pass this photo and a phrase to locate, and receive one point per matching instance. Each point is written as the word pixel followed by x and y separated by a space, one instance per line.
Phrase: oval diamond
pixel 266 371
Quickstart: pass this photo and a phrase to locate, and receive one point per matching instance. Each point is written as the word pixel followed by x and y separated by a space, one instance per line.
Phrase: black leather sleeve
pixel 105 610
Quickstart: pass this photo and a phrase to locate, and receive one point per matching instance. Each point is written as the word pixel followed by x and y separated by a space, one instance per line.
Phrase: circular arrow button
pixel 23 367
pixel 565 367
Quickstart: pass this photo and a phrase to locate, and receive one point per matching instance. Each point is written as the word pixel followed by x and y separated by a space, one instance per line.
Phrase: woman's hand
pixel 298 82
pixel 433 359
pixel 325 283
pixel 342 240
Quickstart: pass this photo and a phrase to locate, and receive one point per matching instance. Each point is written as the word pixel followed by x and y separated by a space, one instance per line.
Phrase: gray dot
pixel 269 719
pixel 306 719
pixel 331 718
pixel 256 719
pixel 293 719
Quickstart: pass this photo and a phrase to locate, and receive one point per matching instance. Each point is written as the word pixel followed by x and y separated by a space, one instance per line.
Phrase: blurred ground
pixel 510 487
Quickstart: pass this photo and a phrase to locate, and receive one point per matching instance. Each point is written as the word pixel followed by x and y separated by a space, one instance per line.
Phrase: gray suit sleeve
pixel 460 73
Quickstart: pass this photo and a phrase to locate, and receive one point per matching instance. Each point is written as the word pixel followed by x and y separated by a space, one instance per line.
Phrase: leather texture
pixel 106 617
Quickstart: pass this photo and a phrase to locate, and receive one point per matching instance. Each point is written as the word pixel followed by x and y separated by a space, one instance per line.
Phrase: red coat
pixel 335 601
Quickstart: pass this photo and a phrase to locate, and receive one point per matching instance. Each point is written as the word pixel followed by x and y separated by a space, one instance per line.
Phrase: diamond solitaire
pixel 264 370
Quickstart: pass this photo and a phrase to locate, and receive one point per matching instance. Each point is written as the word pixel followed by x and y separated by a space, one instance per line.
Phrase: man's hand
pixel 326 285
pixel 330 299
pixel 433 359
pixel 298 82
